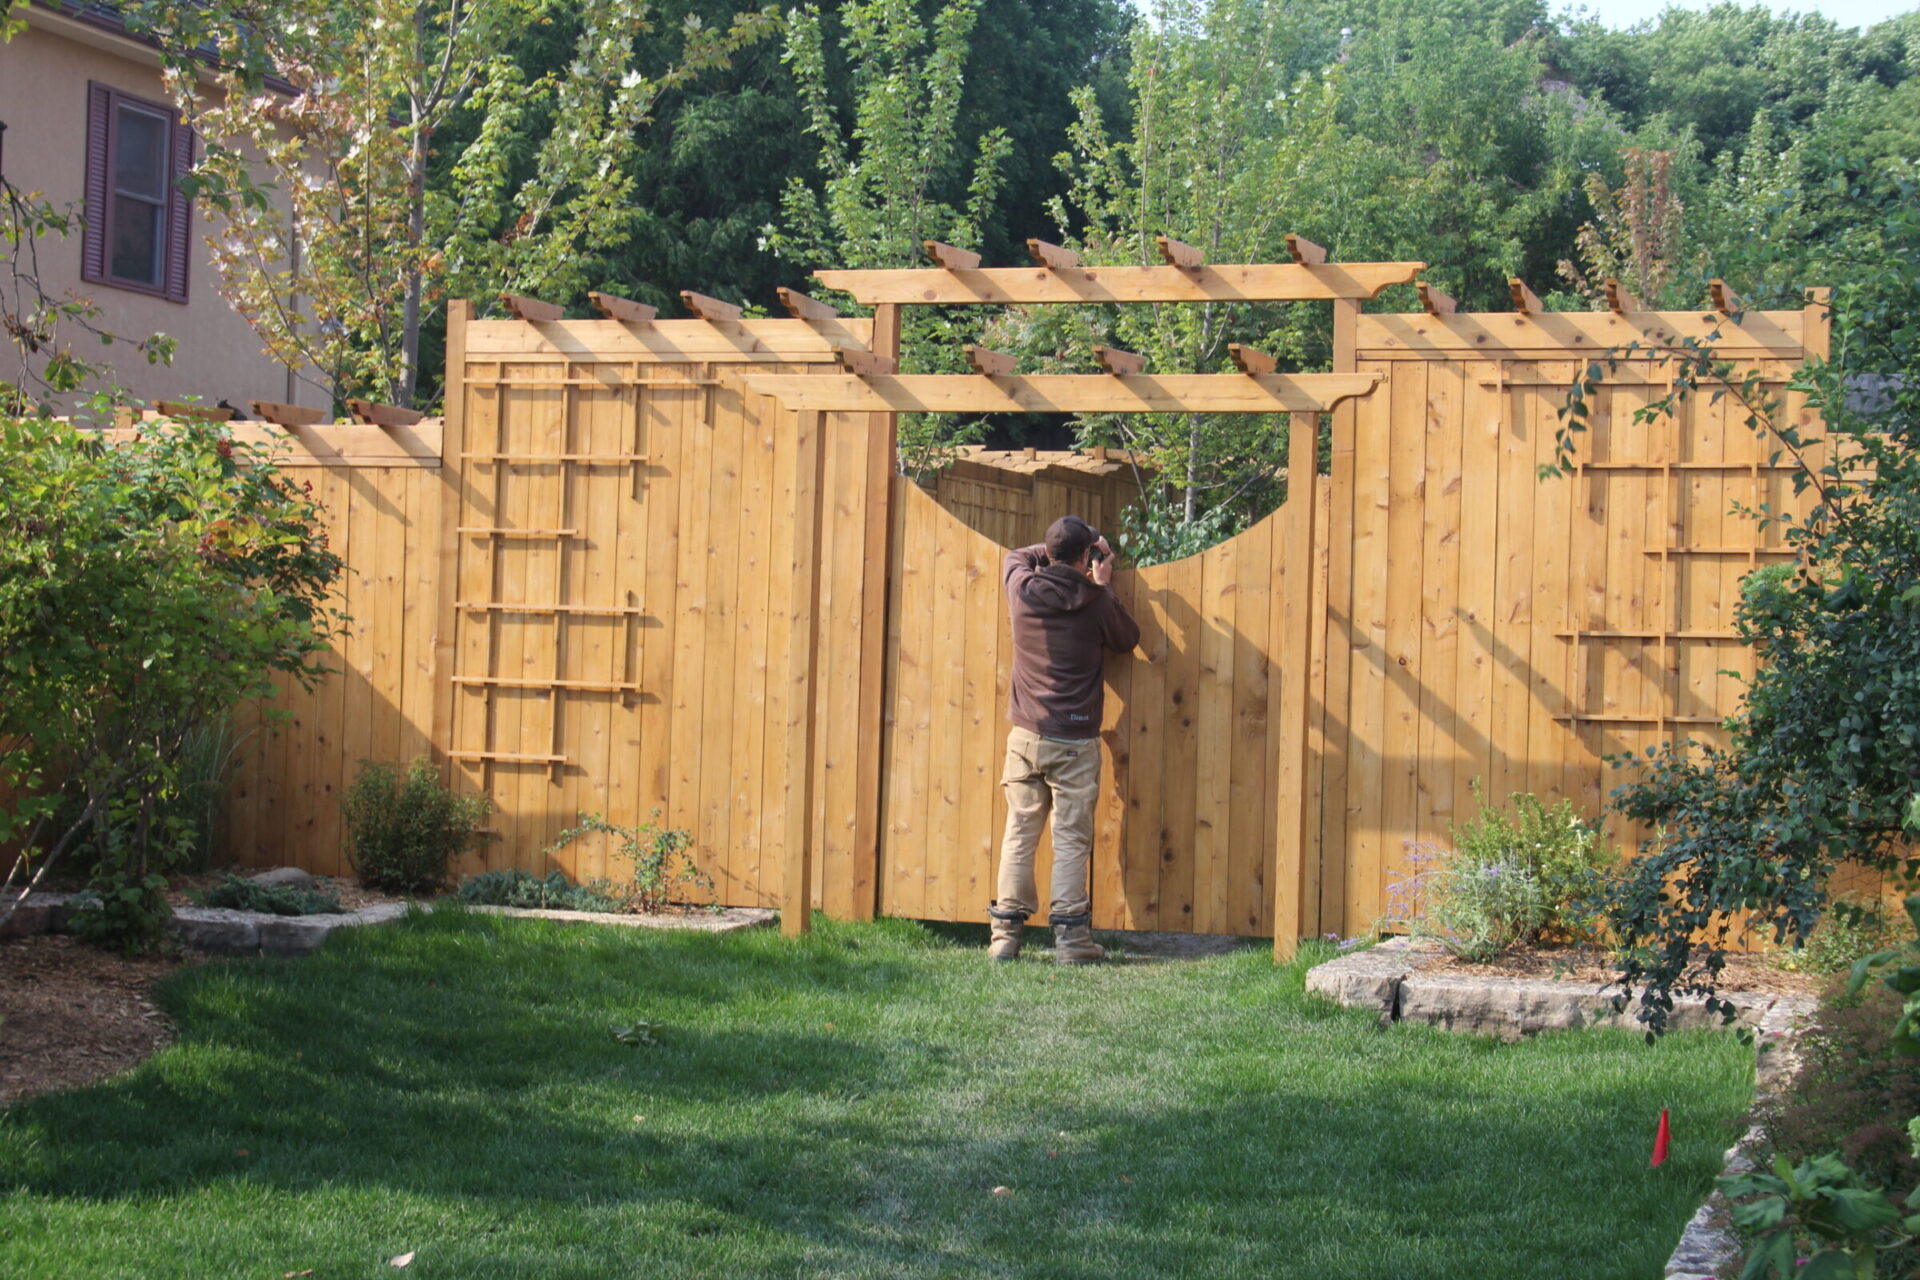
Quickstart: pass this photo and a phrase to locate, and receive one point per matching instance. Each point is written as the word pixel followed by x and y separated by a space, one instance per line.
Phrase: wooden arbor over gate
pixel 871 387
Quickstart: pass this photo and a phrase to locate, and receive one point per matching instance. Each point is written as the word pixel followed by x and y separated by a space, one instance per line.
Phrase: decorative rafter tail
pixel 196 412
pixel 1183 256
pixel 1304 251
pixel 1052 256
pixel 1525 300
pixel 1433 301
pixel 865 363
pixel 705 308
pixel 945 255
pixel 802 307
pixel 1619 301
pixel 1725 300
pixel 389 416
pixel 525 308
pixel 1250 361
pixel 614 307
pixel 286 415
pixel 1117 362
pixel 991 363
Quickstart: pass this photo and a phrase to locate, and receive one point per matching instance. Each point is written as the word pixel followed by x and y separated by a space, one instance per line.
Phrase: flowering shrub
pixel 1510 877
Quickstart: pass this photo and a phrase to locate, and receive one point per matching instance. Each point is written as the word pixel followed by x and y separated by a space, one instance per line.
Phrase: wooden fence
pixel 595 591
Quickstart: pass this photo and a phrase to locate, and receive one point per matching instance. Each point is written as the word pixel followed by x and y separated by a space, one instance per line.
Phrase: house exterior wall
pixel 44 73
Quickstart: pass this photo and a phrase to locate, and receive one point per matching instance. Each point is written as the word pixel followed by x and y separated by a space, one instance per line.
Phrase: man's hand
pixel 1101 570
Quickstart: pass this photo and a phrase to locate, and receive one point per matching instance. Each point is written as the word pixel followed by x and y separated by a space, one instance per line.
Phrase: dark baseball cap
pixel 1068 537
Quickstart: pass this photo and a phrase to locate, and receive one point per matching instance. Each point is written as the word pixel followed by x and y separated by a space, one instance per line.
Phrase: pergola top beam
pixel 1000 286
pixel 1064 393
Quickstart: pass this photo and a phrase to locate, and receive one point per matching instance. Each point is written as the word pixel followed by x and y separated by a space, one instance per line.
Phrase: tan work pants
pixel 1045 775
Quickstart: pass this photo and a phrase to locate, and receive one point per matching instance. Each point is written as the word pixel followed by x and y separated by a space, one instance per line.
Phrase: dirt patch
pixel 74 1014
pixel 1592 967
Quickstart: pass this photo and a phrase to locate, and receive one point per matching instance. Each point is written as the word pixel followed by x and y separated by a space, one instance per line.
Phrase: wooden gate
pixel 1188 826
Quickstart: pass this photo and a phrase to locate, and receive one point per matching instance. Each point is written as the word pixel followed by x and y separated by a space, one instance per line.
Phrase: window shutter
pixel 179 209
pixel 93 241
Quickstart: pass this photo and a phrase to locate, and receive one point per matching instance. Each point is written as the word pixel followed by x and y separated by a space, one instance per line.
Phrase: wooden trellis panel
pixel 1496 629
pixel 622 534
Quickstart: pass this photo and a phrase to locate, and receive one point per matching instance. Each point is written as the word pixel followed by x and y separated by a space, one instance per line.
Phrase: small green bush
pixel 518 888
pixel 1568 857
pixel 663 872
pixel 1477 909
pixel 236 894
pixel 1853 926
pixel 1511 877
pixel 404 828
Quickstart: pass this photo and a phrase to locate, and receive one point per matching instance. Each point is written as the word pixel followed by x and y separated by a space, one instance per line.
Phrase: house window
pixel 136 230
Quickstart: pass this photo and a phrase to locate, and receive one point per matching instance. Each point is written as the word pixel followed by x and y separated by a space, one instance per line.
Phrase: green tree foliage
pixel 145 590
pixel 336 270
pixel 896 177
pixel 1823 759
pixel 1226 134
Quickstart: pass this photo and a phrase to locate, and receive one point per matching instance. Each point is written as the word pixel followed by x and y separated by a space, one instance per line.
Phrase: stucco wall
pixel 44 73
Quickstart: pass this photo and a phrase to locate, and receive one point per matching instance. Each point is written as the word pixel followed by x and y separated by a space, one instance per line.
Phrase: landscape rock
pixel 298 935
pixel 218 929
pixel 1512 1007
pixel 38 914
pixel 1371 979
pixel 283 878
pixel 731 920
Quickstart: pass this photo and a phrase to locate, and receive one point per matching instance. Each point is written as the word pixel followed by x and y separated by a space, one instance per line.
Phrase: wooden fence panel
pixel 590 606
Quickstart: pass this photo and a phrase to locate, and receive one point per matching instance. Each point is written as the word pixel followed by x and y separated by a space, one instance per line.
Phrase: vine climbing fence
pixel 668 566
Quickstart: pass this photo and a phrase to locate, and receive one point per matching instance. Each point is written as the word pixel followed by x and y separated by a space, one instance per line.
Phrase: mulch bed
pixel 74 1014
pixel 185 889
pixel 71 1014
pixel 1592 967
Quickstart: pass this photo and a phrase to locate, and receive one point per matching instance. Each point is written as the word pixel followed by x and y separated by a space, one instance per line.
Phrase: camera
pixel 1095 555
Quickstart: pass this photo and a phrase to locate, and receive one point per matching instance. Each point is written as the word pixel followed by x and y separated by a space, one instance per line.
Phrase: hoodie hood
pixel 1059 588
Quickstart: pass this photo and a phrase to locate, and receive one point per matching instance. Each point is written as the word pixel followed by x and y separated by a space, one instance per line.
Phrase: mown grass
pixel 843 1106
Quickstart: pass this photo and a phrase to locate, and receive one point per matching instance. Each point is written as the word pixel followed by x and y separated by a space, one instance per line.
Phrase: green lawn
pixel 843 1106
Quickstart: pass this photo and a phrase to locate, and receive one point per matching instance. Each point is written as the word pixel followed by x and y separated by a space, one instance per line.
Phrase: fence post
pixel 1293 830
pixel 803 658
pixel 869 781
pixel 452 485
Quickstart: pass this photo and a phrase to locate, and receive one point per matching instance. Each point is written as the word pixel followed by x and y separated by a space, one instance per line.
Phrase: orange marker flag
pixel 1661 1138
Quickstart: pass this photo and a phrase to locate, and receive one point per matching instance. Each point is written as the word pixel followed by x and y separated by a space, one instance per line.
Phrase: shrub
pixel 236 894
pixel 518 888
pixel 1566 856
pixel 1510 877
pixel 662 868
pixel 1853 927
pixel 404 827
pixel 1478 908
pixel 146 589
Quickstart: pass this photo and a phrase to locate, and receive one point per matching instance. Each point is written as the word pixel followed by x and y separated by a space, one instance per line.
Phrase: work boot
pixel 1073 941
pixel 1009 927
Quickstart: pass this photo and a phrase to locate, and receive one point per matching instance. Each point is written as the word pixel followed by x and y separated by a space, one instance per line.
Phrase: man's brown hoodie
pixel 1062 622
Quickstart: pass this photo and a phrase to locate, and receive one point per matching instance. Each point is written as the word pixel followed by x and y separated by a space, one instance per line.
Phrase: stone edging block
pixel 730 920
pixel 246 933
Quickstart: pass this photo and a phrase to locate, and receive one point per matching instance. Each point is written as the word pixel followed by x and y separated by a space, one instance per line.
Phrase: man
pixel 1064 619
